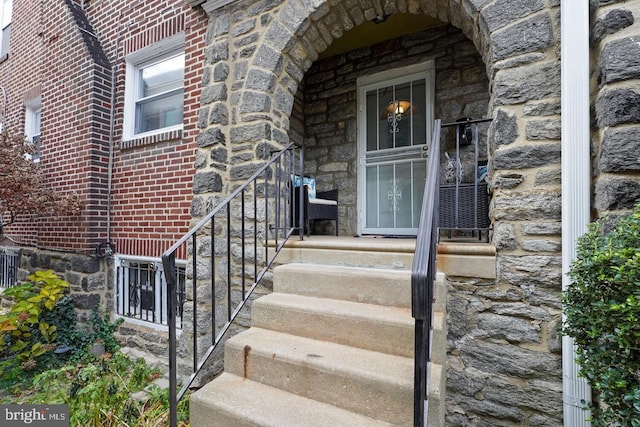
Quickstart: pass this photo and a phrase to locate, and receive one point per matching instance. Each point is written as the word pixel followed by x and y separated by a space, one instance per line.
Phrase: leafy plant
pixel 77 338
pixel 23 331
pixel 101 329
pixel 602 307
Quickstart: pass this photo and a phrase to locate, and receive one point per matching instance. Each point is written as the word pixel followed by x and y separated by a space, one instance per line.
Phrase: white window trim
pixel 31 108
pixel 3 27
pixel 156 52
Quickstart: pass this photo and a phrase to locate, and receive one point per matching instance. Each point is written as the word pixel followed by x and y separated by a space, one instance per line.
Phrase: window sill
pixel 4 57
pixel 168 135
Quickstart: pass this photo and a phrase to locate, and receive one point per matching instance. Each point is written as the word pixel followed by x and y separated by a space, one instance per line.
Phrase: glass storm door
pixel 395 126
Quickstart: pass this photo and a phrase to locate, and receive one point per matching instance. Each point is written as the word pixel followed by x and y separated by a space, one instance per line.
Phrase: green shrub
pixel 23 332
pixel 79 338
pixel 602 307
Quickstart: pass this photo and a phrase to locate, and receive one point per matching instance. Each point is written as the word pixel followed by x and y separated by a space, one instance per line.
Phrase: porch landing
pixel 455 258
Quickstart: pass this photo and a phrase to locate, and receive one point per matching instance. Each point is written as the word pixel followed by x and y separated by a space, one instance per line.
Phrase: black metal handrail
pixel 223 236
pixel 423 272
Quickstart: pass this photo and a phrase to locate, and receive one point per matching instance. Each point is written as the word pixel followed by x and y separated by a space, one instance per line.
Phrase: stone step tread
pixel 346 256
pixel 336 360
pixel 374 327
pixel 389 287
pixel 342 270
pixel 240 402
pixel 338 308
pixel 369 326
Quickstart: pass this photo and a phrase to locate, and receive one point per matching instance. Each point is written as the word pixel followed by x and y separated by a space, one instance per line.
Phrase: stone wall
pixel 504 360
pixel 504 355
pixel 90 277
pixel 330 104
pixel 616 134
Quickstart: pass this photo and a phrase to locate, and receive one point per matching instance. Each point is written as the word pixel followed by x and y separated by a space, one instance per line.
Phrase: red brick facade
pixel 64 52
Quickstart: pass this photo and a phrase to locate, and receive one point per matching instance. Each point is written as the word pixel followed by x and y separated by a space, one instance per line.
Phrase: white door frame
pixel 424 70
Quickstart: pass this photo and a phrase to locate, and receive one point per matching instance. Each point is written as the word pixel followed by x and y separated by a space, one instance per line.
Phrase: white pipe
pixel 576 182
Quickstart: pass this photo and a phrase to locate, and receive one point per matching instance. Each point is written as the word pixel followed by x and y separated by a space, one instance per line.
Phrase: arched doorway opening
pixel 371 155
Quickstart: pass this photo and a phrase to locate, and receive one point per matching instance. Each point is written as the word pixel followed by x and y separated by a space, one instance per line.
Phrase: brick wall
pixel 64 53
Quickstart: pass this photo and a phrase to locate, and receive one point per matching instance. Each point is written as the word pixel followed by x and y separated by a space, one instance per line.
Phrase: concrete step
pixel 436 398
pixel 387 287
pixel 368 326
pixel 233 401
pixel 332 345
pixel 440 304
pixel 366 382
pixel 349 251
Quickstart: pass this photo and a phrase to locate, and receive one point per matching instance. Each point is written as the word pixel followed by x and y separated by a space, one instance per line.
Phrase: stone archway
pixel 505 354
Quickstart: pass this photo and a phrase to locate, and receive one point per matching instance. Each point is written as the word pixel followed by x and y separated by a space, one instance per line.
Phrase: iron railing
pixel 423 273
pixel 141 289
pixel 461 204
pixel 464 198
pixel 9 263
pixel 226 262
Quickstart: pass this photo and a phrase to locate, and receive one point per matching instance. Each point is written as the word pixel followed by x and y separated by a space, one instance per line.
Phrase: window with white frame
pixel 5 19
pixel 141 289
pixel 154 89
pixel 32 118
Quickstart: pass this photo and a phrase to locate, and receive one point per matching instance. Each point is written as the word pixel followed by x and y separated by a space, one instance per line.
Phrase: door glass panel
pixel 402 111
pixel 418 114
pixel 372 120
pixel 418 180
pixel 402 195
pixel 394 171
pixel 372 197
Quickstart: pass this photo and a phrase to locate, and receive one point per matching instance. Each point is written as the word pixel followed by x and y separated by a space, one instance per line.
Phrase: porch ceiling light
pixel 395 111
pixel 400 107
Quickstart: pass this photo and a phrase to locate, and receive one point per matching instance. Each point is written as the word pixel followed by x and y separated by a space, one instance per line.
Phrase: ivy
pixel 602 308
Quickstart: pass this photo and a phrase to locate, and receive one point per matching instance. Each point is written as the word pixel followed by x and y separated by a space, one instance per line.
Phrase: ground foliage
pixel 602 308
pixel 99 390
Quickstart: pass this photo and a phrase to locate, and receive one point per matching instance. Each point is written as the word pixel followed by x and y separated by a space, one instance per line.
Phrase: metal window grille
pixel 141 290
pixel 9 262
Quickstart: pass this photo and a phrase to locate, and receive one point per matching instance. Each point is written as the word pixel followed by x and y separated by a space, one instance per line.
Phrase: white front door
pixel 395 120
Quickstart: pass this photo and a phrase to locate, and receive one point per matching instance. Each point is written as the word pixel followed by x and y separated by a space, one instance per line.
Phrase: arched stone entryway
pixel 504 346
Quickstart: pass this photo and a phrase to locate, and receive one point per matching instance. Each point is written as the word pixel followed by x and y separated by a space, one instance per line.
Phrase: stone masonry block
pixel 619 60
pixel 531 35
pixel 620 148
pixel 611 23
pixel 503 12
pixel 618 106
pixel 527 156
pixel 527 83
pixel 613 193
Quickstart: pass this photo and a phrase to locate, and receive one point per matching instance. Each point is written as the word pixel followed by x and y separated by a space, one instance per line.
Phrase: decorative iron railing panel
pixel 141 289
pixel 464 192
pixel 9 264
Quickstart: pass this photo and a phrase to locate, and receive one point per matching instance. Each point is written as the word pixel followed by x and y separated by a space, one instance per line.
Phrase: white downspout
pixel 576 179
